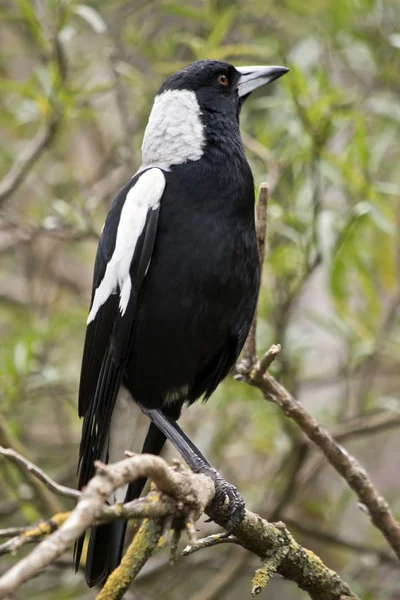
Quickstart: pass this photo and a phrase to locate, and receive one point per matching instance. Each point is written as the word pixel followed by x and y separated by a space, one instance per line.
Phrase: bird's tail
pixel 107 541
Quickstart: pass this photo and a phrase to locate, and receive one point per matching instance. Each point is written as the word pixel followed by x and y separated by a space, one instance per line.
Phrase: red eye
pixel 222 79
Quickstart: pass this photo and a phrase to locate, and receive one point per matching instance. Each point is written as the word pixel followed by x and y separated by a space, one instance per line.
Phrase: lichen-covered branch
pixel 263 575
pixel 34 534
pixel 192 493
pixel 295 562
pixel 184 496
pixel 143 545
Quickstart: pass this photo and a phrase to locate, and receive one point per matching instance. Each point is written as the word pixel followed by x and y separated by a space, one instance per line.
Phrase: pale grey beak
pixel 253 77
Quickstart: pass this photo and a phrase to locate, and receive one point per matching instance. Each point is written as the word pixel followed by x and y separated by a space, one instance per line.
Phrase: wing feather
pixel 123 258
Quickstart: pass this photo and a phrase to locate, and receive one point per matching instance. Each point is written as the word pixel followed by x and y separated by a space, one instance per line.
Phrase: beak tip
pixel 278 72
pixel 253 77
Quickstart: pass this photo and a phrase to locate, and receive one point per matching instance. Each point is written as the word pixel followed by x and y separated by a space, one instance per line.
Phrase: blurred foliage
pixel 325 138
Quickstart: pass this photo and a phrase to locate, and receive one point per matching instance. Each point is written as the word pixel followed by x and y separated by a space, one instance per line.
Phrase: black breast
pixel 199 296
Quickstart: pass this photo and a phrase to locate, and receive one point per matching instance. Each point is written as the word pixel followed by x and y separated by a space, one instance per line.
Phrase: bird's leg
pixel 199 464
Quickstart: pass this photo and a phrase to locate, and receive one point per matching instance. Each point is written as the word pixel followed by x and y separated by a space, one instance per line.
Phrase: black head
pixel 219 86
pixel 198 108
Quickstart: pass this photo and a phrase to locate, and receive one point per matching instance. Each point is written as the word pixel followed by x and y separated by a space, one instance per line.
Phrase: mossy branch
pixel 142 547
pixel 182 497
pixel 263 575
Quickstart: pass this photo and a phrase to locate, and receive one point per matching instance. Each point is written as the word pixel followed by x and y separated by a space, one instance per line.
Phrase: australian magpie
pixel 175 284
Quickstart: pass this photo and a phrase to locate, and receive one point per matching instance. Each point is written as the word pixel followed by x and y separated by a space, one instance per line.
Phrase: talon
pixel 236 507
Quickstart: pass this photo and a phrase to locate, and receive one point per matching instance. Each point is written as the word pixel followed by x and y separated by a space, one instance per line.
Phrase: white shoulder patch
pixel 145 195
pixel 175 132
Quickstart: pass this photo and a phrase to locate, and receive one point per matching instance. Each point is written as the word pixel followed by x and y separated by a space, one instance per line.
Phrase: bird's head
pixel 218 85
pixel 199 97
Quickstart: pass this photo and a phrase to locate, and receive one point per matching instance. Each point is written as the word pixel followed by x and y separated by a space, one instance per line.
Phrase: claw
pixel 223 491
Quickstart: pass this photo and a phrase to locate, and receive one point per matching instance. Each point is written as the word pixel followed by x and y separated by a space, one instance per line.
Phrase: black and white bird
pixel 175 284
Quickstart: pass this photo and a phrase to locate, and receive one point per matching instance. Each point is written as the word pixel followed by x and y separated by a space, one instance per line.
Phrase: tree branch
pixel 34 534
pixel 27 158
pixel 366 425
pixel 356 477
pixel 249 352
pixel 28 466
pixel 44 136
pixel 183 495
pixel 348 430
pixel 209 542
pixel 336 540
pixel 192 492
pixel 142 547
pixel 46 503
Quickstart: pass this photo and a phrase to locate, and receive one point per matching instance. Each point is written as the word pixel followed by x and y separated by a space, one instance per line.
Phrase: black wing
pixel 109 331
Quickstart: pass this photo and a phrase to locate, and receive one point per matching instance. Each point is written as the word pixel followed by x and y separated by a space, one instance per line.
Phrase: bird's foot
pixel 224 490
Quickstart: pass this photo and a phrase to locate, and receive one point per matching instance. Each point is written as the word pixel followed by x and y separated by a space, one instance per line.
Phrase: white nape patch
pixel 128 430
pixel 145 195
pixel 174 133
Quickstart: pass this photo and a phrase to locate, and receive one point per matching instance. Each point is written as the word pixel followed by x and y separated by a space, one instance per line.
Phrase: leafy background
pixel 325 138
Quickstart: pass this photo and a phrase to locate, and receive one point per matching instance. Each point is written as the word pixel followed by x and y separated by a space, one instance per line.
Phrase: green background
pixel 326 140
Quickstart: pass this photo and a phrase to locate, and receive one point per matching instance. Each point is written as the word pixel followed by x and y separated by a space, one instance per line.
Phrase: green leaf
pixel 221 28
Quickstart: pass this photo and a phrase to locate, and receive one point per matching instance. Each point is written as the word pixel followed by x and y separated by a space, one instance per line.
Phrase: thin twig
pixel 336 540
pixel 365 425
pixel 274 168
pixel 12 531
pixel 26 464
pixel 45 502
pixel 122 102
pixel 347 430
pixel 267 359
pixel 369 367
pixel 299 452
pixel 210 541
pixel 44 137
pixel 27 158
pixel 249 352
pixel 261 220
pixel 34 534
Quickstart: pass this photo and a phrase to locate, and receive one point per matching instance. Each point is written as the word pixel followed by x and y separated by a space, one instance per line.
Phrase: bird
pixel 175 286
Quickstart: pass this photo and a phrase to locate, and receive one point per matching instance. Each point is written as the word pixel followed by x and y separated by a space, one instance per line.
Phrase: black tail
pixel 107 541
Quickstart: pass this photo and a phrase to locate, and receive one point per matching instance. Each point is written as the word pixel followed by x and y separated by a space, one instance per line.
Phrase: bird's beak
pixel 253 77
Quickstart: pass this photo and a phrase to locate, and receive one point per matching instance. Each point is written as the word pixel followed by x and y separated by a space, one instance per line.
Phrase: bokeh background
pixel 326 139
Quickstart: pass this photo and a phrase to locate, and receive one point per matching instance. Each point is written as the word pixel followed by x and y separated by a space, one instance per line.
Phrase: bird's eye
pixel 222 79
